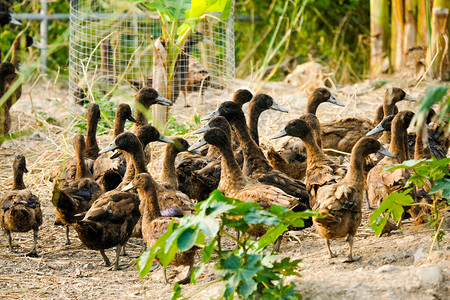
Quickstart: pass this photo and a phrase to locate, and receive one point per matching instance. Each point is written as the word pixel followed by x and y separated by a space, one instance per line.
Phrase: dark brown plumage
pixel 7 78
pixel 20 209
pixel 74 196
pixel 341 202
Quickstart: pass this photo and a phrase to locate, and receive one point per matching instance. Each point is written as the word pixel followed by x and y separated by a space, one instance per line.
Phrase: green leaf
pixel 208 251
pixel 176 292
pixel 433 95
pixel 441 184
pixel 187 239
pixel 271 236
pixel 378 225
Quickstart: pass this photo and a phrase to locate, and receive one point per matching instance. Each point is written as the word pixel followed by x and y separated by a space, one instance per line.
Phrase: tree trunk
pixel 160 113
pixel 422 27
pixel 379 33
pixel 438 49
pixel 409 40
pixel 397 32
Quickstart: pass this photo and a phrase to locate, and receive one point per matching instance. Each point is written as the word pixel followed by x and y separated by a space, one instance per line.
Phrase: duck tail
pixel 110 180
pixel 61 200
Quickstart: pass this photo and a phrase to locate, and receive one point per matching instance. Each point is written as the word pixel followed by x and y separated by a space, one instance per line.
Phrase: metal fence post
pixel 44 35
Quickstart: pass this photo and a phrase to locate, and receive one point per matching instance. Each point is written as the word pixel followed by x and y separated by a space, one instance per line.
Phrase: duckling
pixel 154 224
pixel 71 197
pixel 20 208
pixel 291 157
pixel 258 105
pixel 109 222
pixel 382 184
pixel 110 171
pixel 256 165
pixel 7 77
pixel 320 171
pixel 234 183
pixel 343 134
pixel 171 201
pixel 6 18
pixel 341 202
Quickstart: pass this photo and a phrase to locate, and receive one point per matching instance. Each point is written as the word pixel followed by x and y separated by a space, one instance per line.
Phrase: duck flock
pixel 108 195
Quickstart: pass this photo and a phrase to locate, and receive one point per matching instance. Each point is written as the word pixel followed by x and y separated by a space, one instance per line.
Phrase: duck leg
pixel 165 276
pixel 277 244
pixel 118 251
pixel 105 258
pixel 33 252
pixel 123 252
pixel 187 279
pixel 10 242
pixel 68 242
pixel 350 246
pixel 329 249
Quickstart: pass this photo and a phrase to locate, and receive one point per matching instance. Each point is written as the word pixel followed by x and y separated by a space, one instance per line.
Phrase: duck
pixel 382 184
pixel 20 44
pixel 7 77
pixel 290 151
pixel 257 106
pixel 6 18
pixel 154 224
pixel 109 172
pixel 234 183
pixel 20 208
pixel 256 165
pixel 341 202
pixel 73 196
pixel 320 171
pixel 343 134
pixel 199 183
pixel 173 203
pixel 144 99
pixel 291 157
pixel 109 222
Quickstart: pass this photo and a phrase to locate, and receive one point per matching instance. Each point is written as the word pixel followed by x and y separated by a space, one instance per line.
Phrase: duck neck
pixel 314 153
pixel 92 148
pixel 137 157
pixel 399 141
pixel 312 105
pixel 422 147
pixel 213 152
pixel 119 125
pixel 168 174
pixel 82 169
pixel 355 172
pixel 18 183
pixel 16 52
pixel 149 195
pixel 254 113
pixel 141 118
pixel 253 156
pixel 231 174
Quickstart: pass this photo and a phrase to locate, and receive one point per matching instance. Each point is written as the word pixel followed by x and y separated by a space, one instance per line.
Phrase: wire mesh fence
pixel 111 49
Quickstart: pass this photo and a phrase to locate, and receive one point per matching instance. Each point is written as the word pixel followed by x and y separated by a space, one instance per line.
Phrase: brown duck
pixel 20 208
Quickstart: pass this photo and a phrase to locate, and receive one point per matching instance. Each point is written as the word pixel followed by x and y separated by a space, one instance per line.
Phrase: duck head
pixel 367 145
pixel 213 136
pixel 264 101
pixel 394 95
pixel 7 68
pixel 318 96
pixel 6 18
pixel 142 181
pixel 384 125
pixel 20 164
pixel 93 113
pixel 218 122
pixel 242 96
pixel 228 109
pixel 298 128
pixel 148 96
pixel 181 145
pixel 124 112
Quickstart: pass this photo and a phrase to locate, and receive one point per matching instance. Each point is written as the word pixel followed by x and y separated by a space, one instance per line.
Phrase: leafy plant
pixel 435 94
pixel 432 176
pixel 249 270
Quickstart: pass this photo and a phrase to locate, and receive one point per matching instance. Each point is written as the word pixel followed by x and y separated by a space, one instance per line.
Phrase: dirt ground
pixel 392 267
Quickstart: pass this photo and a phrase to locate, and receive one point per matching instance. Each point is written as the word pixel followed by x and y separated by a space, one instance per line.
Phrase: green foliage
pixel 432 176
pixel 175 128
pixel 248 270
pixel 435 94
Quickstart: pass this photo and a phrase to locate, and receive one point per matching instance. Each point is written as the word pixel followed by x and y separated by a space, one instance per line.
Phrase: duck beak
pixel 163 100
pixel 202 129
pixel 385 152
pixel 199 143
pixel 378 128
pixel 112 146
pixel 428 126
pixel 38 46
pixel 16 72
pixel 195 151
pixel 164 139
pixel 115 154
pixel 14 21
pixel 211 115
pixel 334 101
pixel 279 134
pixel 132 119
pixel 276 106
pixel 410 98
pixel 128 187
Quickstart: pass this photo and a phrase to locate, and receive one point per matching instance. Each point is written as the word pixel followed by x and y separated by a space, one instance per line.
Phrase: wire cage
pixel 111 50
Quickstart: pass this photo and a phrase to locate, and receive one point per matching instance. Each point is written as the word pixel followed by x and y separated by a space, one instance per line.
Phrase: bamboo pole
pixel 422 30
pixel 160 113
pixel 397 32
pixel 437 55
pixel 409 39
pixel 379 34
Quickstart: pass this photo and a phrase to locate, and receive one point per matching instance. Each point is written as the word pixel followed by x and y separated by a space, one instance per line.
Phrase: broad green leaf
pixel 187 239
pixel 443 185
pixel 176 292
pixel 208 251
pixel 379 225
pixel 433 95
pixel 271 236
